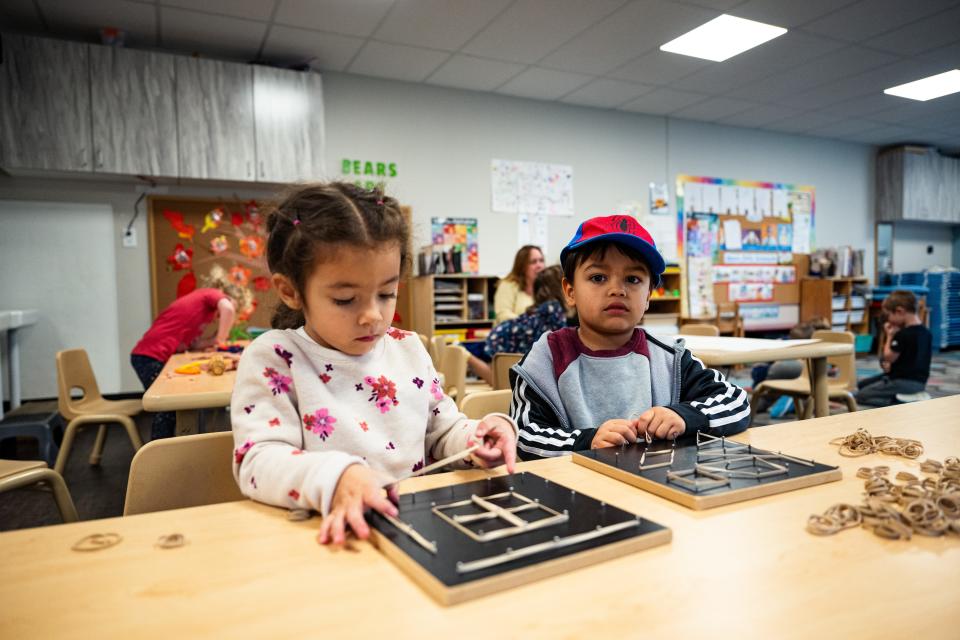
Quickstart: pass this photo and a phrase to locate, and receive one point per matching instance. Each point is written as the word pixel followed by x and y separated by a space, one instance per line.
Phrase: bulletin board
pixel 745 242
pixel 189 237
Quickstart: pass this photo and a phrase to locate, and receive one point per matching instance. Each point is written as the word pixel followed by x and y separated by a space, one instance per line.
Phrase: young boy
pixel 607 382
pixel 906 355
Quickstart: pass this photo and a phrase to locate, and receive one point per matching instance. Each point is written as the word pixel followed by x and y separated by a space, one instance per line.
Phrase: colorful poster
pixel 659 199
pixel 531 187
pixel 455 239
pixel 700 287
pixel 750 240
pixel 702 231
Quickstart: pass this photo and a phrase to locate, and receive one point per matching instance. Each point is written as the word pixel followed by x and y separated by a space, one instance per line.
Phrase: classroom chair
pixel 501 368
pixel 841 388
pixel 729 320
pixel 439 343
pixel 454 369
pixel 15 474
pixel 699 329
pixel 477 405
pixel 187 471
pixel 74 372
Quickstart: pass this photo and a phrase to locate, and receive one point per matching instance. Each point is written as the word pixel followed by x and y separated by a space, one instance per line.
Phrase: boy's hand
pixel 613 433
pixel 891 329
pixel 885 366
pixel 662 423
pixel 499 443
pixel 357 490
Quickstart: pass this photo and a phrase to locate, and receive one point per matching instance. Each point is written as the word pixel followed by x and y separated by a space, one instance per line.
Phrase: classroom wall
pixel 442 141
pixel 910 243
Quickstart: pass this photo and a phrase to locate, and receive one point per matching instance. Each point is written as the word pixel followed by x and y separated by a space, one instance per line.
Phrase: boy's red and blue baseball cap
pixel 620 229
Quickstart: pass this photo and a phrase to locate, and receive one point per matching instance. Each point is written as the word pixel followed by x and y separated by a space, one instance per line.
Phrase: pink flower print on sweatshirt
pixel 278 383
pixel 283 353
pixel 436 389
pixel 383 394
pixel 396 334
pixel 241 452
pixel 319 422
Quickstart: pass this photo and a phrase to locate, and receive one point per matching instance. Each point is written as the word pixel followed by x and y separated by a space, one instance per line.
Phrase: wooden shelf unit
pixel 466 301
pixel 666 305
pixel 834 298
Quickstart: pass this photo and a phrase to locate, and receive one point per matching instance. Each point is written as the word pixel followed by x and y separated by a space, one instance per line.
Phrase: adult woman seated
pixel 515 292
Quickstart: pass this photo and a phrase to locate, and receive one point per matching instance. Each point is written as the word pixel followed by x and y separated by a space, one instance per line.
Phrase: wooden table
pixel 743 570
pixel 816 352
pixel 189 395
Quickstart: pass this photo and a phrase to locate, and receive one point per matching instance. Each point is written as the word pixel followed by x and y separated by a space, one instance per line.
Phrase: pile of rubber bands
pixel 862 443
pixel 928 506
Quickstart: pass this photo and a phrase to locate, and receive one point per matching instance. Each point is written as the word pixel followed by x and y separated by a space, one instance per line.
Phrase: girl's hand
pixel 499 443
pixel 356 491
pixel 614 433
pixel 662 423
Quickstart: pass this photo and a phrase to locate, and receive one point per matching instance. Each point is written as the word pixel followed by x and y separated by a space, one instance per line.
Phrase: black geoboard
pixel 467 540
pixel 706 472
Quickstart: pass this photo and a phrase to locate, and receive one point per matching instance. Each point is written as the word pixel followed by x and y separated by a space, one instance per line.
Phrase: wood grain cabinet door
pixel 45 104
pixel 289 125
pixel 134 112
pixel 215 120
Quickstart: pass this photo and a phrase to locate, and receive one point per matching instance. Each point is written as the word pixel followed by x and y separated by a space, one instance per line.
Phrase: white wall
pixel 910 242
pixel 442 141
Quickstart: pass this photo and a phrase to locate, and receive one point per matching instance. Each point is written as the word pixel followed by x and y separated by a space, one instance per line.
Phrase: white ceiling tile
pixel 923 35
pixel 759 115
pixel 867 105
pixel 475 74
pixel 350 17
pixel 606 93
pixel 713 109
pixel 663 101
pixel 718 5
pixel 881 135
pixel 869 18
pixel 324 51
pixel 802 122
pixel 786 13
pixel 20 15
pixel 184 30
pixel 843 128
pixel 84 20
pixel 437 24
pixel 627 33
pixel 397 61
pixel 789 50
pixel 659 67
pixel 530 29
pixel 249 9
pixel 543 84
pixel 721 77
pixel 832 66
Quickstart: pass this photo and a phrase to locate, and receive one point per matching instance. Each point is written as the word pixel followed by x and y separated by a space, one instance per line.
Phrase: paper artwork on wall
pixel 700 286
pixel 702 232
pixel 663 228
pixel 780 204
pixel 748 291
pixel 531 187
pixel 659 199
pixel 732 240
pixel 728 200
pixel 775 274
pixel 456 240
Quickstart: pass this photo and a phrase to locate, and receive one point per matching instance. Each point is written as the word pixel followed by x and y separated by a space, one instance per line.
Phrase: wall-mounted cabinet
pixel 215 120
pixel 134 112
pixel 288 107
pixel 68 106
pixel 917 183
pixel 45 104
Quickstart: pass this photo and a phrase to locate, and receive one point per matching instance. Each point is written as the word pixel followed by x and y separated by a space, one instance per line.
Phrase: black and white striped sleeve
pixel 708 402
pixel 541 432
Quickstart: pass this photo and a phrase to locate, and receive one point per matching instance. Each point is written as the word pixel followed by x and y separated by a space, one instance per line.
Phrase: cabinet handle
pixel 263 174
pixel 249 175
pixel 99 158
pixel 83 157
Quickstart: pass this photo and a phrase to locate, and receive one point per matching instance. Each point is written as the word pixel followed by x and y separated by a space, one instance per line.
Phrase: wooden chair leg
pixel 70 434
pixel 851 402
pixel 808 405
pixel 755 403
pixel 101 439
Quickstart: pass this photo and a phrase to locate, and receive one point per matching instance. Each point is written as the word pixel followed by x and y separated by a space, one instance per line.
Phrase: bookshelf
pixel 456 304
pixel 665 301
pixel 836 299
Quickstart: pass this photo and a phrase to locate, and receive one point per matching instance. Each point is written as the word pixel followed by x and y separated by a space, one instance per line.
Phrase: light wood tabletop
pixel 748 569
pixel 189 394
pixel 761 350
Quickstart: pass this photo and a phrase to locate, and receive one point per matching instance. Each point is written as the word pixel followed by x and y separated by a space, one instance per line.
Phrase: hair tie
pixel 296 220
pixel 380 202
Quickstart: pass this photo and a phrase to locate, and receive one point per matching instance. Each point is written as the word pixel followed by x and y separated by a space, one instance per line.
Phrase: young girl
pixel 334 403
pixel 547 313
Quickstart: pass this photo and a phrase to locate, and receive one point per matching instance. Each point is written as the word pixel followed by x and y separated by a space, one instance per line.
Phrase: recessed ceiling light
pixel 722 38
pixel 942 84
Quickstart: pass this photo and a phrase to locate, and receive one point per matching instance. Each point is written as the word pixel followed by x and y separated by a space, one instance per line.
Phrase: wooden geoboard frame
pixel 437 573
pixel 622 463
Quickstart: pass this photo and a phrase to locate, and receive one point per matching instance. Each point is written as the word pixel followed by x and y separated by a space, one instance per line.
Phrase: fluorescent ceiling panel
pixel 942 84
pixel 722 38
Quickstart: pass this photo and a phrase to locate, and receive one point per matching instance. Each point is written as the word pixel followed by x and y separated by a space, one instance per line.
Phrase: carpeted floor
pixel 99 491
